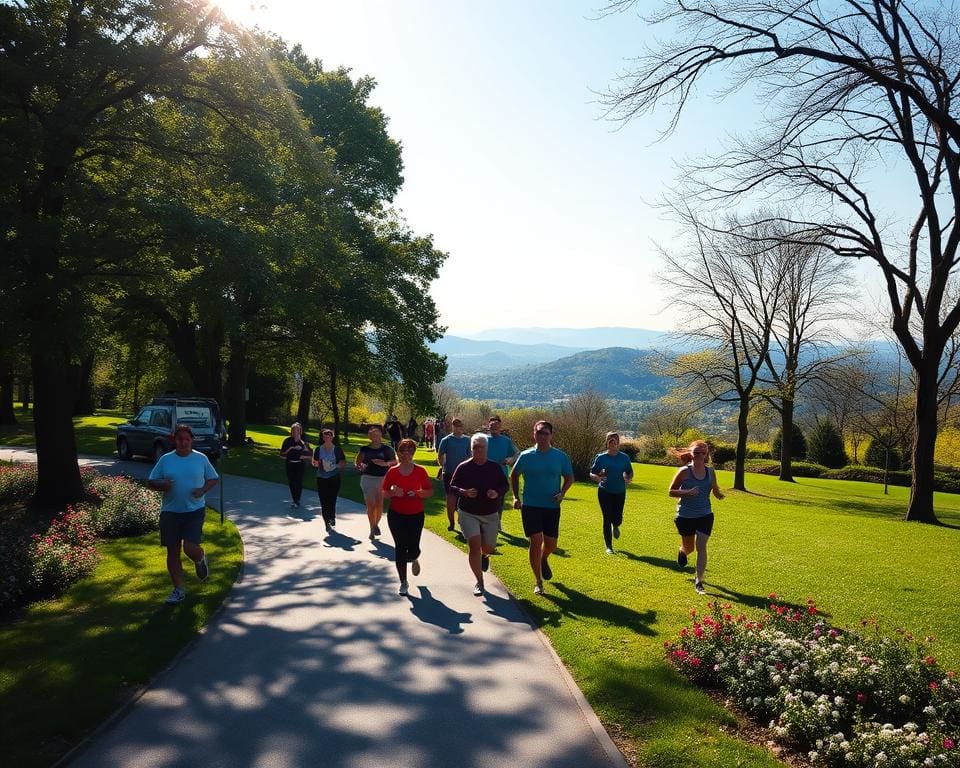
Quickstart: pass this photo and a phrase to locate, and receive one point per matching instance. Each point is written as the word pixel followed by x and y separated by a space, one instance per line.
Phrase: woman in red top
pixel 406 485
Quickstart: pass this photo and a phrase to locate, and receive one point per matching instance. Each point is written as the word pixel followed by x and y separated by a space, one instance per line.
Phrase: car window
pixel 144 416
pixel 161 418
pixel 197 416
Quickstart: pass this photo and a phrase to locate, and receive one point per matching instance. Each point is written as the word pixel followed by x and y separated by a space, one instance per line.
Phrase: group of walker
pixel 475 473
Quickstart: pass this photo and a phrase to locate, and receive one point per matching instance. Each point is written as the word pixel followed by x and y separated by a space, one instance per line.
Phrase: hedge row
pixel 946 480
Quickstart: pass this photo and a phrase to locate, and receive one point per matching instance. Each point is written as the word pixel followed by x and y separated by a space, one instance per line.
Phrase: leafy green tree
pixel 882 452
pixel 78 82
pixel 825 445
pixel 798 443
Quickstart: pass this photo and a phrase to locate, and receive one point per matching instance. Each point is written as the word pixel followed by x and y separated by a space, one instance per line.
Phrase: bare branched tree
pixel 730 286
pixel 845 84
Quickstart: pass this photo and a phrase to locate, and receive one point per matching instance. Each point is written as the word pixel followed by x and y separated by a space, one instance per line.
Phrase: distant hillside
pixel 617 372
pixel 472 355
pixel 583 338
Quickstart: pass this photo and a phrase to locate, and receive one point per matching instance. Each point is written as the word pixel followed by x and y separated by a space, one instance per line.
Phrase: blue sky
pixel 545 208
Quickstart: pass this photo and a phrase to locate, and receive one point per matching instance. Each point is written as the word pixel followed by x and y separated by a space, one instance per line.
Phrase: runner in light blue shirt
pixel 612 470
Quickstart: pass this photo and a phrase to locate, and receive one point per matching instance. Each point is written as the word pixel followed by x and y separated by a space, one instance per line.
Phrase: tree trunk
pixel 739 464
pixel 83 398
pixel 303 406
pixel 924 445
pixel 333 400
pixel 58 474
pixel 7 415
pixel 236 394
pixel 24 392
pixel 786 440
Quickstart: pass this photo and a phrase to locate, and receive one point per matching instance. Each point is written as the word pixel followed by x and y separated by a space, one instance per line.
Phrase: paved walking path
pixel 316 661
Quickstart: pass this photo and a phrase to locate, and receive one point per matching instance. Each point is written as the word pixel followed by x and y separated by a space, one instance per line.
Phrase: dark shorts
pixel 545 520
pixel 687 526
pixel 181 526
pixel 446 482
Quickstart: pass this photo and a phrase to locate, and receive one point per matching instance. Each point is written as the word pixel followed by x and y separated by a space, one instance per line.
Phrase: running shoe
pixel 373 535
pixel 616 531
pixel 329 528
pixel 609 551
pixel 203 569
pixel 403 589
pixel 333 523
pixel 545 569
pixel 451 527
pixel 485 563
pixel 176 596
pixel 376 530
pixel 538 589
pixel 478 590
pixel 682 559
pixel 698 585
pixel 415 567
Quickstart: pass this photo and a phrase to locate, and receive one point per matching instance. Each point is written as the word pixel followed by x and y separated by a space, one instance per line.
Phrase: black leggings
pixel 327 489
pixel 406 530
pixel 295 479
pixel 611 505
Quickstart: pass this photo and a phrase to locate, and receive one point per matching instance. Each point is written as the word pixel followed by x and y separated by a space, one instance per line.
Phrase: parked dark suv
pixel 149 433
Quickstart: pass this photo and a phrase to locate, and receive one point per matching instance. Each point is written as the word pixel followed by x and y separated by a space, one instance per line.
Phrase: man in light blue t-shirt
pixel 184 475
pixel 452 451
pixel 547 476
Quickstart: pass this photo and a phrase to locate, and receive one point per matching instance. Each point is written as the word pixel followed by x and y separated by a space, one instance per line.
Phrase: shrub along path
pixel 317 661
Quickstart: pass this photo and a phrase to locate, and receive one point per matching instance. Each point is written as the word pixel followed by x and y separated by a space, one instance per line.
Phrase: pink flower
pixel 948 743
pixel 861 697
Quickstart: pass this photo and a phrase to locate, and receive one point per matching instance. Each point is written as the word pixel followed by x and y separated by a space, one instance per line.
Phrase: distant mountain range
pixel 617 372
pixel 577 338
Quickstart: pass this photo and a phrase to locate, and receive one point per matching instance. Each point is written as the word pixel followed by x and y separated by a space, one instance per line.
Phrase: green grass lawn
pixel 66 664
pixel 841 543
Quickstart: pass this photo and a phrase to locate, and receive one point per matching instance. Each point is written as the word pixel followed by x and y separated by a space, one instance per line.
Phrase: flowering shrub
pixel 65 553
pixel 17 481
pixel 846 698
pixel 122 507
pixel 41 559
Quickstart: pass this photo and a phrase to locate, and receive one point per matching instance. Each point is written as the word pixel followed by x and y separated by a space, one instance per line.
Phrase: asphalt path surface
pixel 316 661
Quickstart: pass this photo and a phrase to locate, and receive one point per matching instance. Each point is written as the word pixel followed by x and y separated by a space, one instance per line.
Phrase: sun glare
pixel 243 11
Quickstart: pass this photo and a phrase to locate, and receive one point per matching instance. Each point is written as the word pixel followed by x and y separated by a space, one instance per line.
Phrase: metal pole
pixel 223 460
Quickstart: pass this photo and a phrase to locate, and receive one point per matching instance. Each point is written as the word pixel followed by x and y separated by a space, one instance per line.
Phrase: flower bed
pixel 845 698
pixel 43 556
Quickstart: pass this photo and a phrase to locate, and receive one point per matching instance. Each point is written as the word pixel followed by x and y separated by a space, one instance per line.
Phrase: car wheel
pixel 123 449
pixel 158 450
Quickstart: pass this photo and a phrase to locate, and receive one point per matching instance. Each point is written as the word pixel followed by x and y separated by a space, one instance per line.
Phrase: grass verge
pixel 67 664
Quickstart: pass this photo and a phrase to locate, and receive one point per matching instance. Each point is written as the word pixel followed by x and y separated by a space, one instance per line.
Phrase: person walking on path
pixel 184 476
pixel 406 485
pixel 452 451
pixel 294 449
pixel 372 462
pixel 428 434
pixel 479 486
pixel 329 460
pixel 547 476
pixel 612 470
pixel 692 486
pixel 501 450
pixel 394 430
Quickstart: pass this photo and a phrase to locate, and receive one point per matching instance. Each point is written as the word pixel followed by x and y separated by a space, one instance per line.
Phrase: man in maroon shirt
pixel 479 486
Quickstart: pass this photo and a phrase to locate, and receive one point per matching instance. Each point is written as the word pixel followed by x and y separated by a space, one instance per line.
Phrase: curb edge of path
pixel 137 693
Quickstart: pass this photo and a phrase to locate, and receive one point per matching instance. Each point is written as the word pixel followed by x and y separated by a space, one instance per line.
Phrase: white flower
pixel 904 699
pixel 880 757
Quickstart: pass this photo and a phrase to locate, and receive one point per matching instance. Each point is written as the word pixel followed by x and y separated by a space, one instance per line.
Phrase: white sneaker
pixel 698 585
pixel 609 551
pixel 538 589
pixel 478 590
pixel 403 589
pixel 415 567
pixel 176 596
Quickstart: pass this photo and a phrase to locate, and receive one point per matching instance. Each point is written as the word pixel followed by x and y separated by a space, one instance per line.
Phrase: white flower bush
pixel 852 699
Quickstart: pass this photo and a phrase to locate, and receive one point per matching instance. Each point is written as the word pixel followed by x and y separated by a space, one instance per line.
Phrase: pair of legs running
pixel 694 534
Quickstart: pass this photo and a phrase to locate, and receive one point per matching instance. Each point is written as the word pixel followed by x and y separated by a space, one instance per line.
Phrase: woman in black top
pixel 293 450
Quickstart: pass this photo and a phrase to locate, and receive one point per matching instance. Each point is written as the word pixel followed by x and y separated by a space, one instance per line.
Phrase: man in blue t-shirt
pixel 184 475
pixel 547 476
pixel 500 449
pixel 453 450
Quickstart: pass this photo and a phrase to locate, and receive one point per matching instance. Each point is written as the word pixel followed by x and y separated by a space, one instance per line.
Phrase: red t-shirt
pixel 415 481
